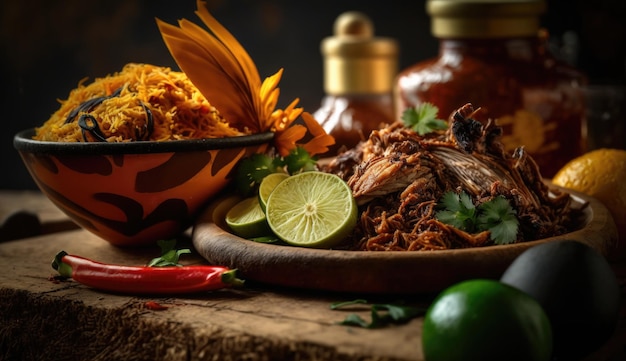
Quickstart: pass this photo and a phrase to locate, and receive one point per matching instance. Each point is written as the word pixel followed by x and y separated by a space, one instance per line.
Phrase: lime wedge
pixel 247 220
pixel 312 209
pixel 267 186
pixel 218 208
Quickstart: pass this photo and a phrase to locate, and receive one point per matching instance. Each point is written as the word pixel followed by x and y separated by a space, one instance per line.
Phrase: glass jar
pixel 494 55
pixel 359 73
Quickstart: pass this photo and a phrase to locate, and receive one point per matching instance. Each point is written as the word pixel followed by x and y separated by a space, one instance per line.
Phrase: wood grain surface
pixel 42 318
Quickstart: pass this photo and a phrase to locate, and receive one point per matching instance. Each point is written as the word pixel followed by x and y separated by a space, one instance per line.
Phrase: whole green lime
pixel 486 320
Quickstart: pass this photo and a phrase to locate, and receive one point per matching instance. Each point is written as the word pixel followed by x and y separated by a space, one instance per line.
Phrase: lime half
pixel 267 186
pixel 247 220
pixel 312 209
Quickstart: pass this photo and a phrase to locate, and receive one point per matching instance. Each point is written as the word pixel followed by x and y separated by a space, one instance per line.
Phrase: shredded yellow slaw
pixel 141 102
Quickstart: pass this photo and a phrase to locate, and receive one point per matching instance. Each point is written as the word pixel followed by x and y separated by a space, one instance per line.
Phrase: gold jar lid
pixel 484 18
pixel 356 61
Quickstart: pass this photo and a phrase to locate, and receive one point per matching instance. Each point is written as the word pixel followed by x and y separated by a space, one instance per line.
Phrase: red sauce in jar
pixel 537 99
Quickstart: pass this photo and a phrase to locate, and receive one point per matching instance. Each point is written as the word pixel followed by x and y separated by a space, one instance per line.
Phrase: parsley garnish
pixel 251 170
pixel 423 119
pixel 496 216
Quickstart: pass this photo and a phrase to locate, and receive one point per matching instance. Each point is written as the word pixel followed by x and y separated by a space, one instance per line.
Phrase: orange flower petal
pixel 314 127
pixel 321 141
pixel 284 118
pixel 207 62
pixel 285 141
pixel 226 75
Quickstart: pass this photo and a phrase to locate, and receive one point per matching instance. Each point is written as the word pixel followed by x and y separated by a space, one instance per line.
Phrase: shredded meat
pixel 397 177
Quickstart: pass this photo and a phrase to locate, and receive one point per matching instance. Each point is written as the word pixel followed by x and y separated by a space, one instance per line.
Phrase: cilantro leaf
pixel 399 313
pixel 500 218
pixel 299 160
pixel 338 305
pixel 355 320
pixel 266 239
pixel 169 255
pixel 251 171
pixel 423 119
pixel 458 211
pixel 381 314
pixel 496 216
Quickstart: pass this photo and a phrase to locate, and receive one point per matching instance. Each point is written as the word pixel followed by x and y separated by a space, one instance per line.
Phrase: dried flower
pixel 222 70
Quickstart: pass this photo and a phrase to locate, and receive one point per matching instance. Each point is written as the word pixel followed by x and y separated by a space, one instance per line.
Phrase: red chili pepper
pixel 143 279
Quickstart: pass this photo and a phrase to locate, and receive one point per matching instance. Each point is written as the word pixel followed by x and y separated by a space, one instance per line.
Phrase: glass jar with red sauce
pixel 494 55
pixel 359 73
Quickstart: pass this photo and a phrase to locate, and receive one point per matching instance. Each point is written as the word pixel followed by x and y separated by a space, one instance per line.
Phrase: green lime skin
pixel 486 320
pixel 247 220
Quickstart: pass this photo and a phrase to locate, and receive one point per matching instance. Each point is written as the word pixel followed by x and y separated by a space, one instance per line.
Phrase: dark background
pixel 47 47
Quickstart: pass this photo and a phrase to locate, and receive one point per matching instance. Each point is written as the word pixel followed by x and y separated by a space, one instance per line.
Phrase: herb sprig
pixel 169 254
pixel 381 314
pixel 423 119
pixel 495 215
pixel 251 170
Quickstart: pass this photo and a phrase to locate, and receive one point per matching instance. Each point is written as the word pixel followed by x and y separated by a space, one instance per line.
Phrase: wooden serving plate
pixel 392 272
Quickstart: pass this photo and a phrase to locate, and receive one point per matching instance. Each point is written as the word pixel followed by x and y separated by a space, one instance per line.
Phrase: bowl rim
pixel 23 142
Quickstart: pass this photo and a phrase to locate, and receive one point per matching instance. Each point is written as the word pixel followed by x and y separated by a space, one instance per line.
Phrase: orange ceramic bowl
pixel 134 193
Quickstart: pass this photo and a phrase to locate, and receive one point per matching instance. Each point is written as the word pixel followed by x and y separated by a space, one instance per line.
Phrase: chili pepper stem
pixel 64 269
pixel 230 278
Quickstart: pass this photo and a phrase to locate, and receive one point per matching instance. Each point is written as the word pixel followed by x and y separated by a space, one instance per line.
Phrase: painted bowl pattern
pixel 136 193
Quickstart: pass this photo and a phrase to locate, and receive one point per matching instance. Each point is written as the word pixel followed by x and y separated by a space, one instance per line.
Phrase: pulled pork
pixel 397 177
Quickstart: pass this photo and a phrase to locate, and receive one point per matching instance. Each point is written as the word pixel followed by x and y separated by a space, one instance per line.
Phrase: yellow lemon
pixel 601 174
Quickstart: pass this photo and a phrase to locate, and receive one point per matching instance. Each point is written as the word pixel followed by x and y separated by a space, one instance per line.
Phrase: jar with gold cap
pixel 359 73
pixel 493 54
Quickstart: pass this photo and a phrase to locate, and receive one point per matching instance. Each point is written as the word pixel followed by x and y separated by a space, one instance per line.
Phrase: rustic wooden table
pixel 44 319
